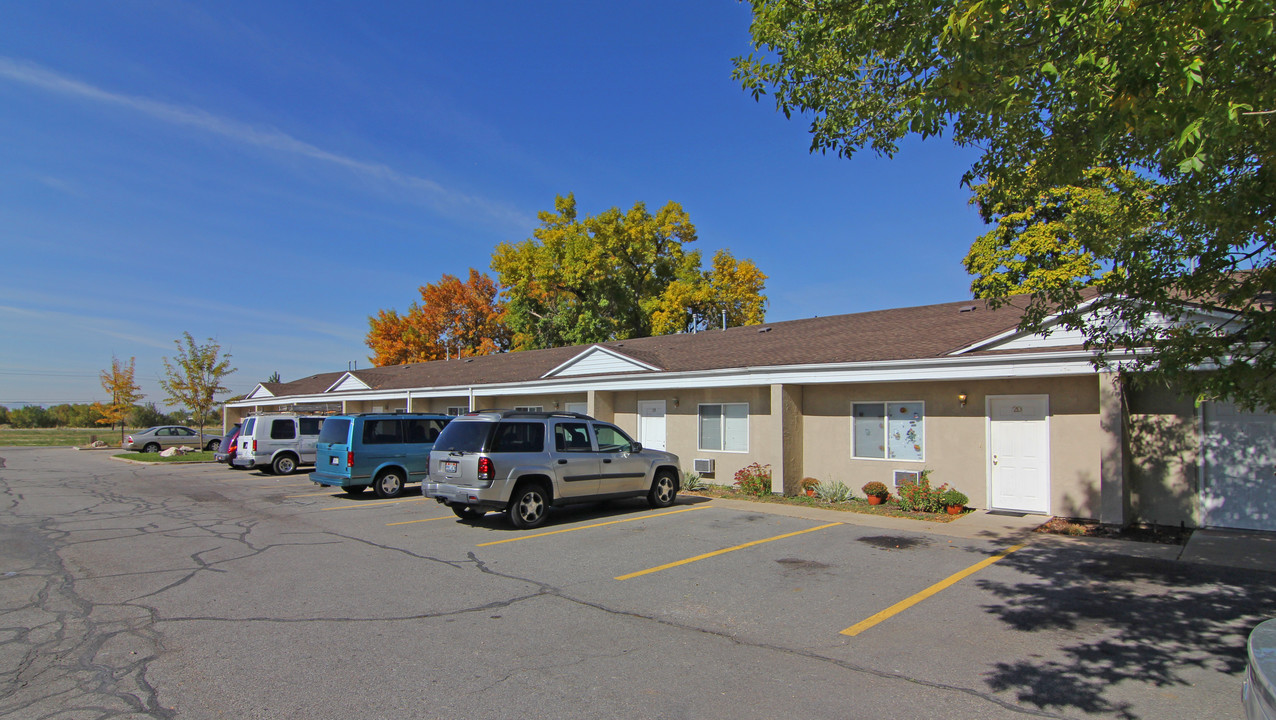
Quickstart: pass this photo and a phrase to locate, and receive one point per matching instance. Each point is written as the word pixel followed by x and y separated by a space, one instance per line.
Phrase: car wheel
pixel 355 489
pixel 151 448
pixel 388 484
pixel 214 445
pixel 529 507
pixel 664 490
pixel 468 512
pixel 283 465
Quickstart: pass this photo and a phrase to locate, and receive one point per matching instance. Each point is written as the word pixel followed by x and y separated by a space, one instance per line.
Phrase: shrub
pixel 809 483
pixel 919 495
pixel 692 481
pixel 754 479
pixel 953 496
pixel 875 488
pixel 835 492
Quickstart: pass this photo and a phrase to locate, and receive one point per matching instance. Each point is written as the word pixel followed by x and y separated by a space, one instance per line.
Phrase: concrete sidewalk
pixel 1222 548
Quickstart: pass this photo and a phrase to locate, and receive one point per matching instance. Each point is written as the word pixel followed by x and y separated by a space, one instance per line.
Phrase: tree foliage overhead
pixel 453 319
pixel 1136 134
pixel 193 377
pixel 118 383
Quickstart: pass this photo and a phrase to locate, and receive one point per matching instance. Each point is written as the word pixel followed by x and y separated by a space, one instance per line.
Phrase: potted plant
pixel 809 485
pixel 954 500
pixel 876 492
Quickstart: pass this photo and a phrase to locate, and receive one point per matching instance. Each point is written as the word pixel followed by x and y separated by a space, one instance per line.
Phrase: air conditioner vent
pixel 903 476
pixel 704 466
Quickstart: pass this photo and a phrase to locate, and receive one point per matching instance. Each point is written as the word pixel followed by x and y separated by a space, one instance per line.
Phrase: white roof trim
pixel 348 382
pixel 259 392
pixel 598 360
pixel 1017 365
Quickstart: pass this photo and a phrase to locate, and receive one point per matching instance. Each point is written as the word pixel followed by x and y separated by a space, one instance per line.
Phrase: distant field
pixel 54 437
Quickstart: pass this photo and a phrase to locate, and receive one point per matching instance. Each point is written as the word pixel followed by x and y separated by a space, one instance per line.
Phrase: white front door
pixel 651 424
pixel 1019 453
pixel 1238 478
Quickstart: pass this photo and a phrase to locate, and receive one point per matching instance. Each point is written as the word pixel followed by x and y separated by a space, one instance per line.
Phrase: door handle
pixel 994 459
pixel 561 461
pixel 606 460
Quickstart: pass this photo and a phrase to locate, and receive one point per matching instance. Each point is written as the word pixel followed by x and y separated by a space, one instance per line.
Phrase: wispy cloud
pixel 436 195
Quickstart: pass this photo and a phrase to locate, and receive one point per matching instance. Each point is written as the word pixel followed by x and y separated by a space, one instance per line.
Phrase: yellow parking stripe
pixel 723 551
pixel 374 504
pixel 409 522
pixel 586 527
pixel 903 605
pixel 318 494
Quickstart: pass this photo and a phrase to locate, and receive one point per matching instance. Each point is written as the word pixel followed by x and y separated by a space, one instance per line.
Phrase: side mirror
pixel 636 447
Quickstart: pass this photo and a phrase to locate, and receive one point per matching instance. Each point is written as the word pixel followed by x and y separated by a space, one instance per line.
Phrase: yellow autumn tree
pixel 698 302
pixel 118 383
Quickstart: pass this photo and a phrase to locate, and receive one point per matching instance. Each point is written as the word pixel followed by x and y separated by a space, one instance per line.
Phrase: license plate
pixel 449 466
pixel 334 460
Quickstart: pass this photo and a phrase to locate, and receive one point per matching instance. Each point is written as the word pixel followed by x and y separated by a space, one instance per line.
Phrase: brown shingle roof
pixel 929 331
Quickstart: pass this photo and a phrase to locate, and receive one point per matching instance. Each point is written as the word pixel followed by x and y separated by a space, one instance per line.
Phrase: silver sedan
pixel 152 440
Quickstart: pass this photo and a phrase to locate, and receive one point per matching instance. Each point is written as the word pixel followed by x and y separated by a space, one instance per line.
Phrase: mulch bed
pixel 1165 534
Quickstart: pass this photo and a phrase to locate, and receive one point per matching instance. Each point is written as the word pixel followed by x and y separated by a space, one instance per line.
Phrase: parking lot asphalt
pixel 199 592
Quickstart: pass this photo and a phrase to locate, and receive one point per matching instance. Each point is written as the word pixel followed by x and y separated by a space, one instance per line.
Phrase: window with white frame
pixel 724 427
pixel 457 410
pixel 888 430
pixel 529 408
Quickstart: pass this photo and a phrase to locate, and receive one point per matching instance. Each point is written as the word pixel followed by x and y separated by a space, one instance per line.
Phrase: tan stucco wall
pixel 956 437
pixel 1163 441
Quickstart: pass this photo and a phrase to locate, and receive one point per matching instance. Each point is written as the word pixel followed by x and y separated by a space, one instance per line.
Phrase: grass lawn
pixel 203 456
pixel 856 505
pixel 57 437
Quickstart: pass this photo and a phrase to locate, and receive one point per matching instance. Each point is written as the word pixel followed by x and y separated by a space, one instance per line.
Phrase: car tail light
pixel 349 458
pixel 254 444
pixel 129 439
pixel 485 469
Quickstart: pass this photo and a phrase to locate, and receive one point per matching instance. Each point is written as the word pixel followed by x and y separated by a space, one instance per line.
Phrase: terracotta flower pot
pixel 876 499
pixel 956 509
pixel 810 492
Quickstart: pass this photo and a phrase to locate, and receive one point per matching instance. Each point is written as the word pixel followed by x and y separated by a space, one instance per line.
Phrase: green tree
pixel 274 377
pixel 193 377
pixel 4 415
pixel 1166 107
pixel 118 384
pixel 584 280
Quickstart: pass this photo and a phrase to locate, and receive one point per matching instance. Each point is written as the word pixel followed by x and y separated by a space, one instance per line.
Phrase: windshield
pixel 464 436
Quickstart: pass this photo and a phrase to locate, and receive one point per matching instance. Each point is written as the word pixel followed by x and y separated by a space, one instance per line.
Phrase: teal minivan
pixel 383 450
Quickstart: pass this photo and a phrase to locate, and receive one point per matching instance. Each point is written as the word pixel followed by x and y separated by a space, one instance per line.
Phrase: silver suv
pixel 523 462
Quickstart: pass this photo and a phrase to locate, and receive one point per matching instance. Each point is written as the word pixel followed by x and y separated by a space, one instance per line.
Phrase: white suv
pixel 523 462
pixel 277 443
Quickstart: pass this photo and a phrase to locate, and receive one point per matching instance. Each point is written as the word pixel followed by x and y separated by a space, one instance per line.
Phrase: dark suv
pixel 523 462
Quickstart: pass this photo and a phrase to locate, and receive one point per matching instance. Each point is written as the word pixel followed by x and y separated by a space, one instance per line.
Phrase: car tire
pixel 214 445
pixel 468 512
pixel 355 490
pixel 389 484
pixel 151 448
pixel 529 507
pixel 283 465
pixel 664 490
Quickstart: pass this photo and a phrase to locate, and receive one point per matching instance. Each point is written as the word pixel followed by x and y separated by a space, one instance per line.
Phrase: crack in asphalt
pixel 67 662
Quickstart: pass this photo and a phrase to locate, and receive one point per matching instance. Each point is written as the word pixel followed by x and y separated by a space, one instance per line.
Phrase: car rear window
pixel 335 430
pixel 520 437
pixel 283 429
pixel 464 436
pixel 248 426
pixel 382 432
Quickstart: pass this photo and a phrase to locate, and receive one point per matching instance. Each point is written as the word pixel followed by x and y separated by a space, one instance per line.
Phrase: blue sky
pixel 271 174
